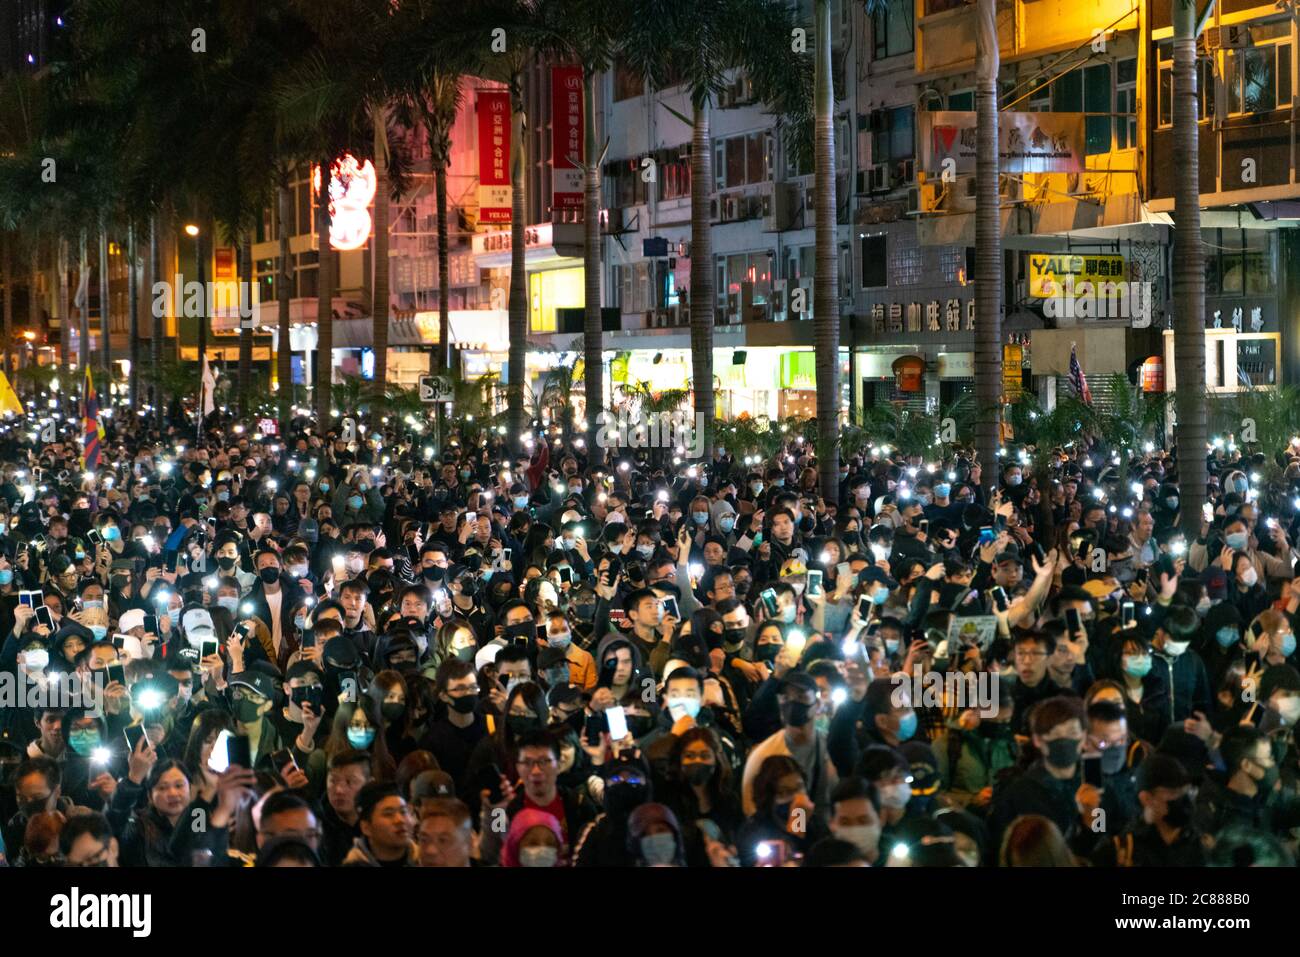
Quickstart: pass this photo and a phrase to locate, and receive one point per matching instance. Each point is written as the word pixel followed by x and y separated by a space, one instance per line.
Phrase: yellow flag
pixel 8 399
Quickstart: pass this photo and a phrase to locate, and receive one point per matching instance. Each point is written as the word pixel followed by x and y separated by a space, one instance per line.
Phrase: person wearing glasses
pixel 87 840
pixel 1031 653
pixel 530 784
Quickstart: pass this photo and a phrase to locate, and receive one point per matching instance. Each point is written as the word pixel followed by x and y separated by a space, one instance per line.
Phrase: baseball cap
pixel 258 681
pixel 432 784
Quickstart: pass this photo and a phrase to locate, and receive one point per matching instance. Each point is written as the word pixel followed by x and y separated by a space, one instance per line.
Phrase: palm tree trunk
pixel 83 311
pixel 826 309
pixel 442 358
pixel 518 276
pixel 988 248
pixel 324 300
pixel 105 344
pixel 7 251
pixel 702 291
pixel 33 306
pixel 379 250
pixel 1189 277
pixel 244 274
pixel 133 320
pixel 284 354
pixel 156 332
pixel 65 319
pixel 593 374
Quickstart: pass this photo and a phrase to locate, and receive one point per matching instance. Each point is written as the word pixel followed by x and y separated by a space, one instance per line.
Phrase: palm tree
pixel 7 277
pixel 133 307
pixel 826 311
pixel 284 282
pixel 379 247
pixel 1189 276
pixel 324 295
pixel 695 43
pixel 988 245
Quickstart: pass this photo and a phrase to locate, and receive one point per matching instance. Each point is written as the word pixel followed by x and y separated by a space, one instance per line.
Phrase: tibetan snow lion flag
pixel 92 431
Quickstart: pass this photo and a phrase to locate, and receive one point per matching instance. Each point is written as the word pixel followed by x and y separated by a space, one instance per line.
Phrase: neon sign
pixel 352 188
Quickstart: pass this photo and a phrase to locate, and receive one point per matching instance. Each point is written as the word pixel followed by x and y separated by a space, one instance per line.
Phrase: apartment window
pixel 893 135
pixel 963 101
pixel 627 83
pixel 891 29
pixel 1239 261
pixel 1087 90
pixel 622 184
pixel 799 263
pixel 1204 85
pixel 846 271
pixel 1257 79
pixel 1126 103
pixel 875 261
pixel 675 178
pixel 906 263
pixel 742 160
pixel 614 291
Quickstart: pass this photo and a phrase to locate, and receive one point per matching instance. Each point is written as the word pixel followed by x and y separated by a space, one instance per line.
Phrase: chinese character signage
pixel 494 194
pixel 1013 357
pixel 1027 142
pixel 1048 271
pixel 566 137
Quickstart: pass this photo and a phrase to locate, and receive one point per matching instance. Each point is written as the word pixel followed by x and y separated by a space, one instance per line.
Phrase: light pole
pixel 192 230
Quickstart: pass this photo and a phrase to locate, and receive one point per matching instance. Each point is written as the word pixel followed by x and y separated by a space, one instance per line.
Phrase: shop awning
pixel 484 330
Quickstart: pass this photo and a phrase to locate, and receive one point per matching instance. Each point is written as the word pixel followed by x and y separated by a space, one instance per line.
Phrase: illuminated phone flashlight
pixel 601 498
pixel 900 852
pixel 1087 463
pixel 211 582
pixel 624 466
pixel 677 460
pixel 100 756
pixel 150 700
pixel 952 476
pixel 310 473
pixel 506 478
pixel 376 472
pixel 661 496
pixel 1217 443
pixel 796 640
pixel 246 608
pixel 165 468
pixel 1112 509
pixel 839 696
pixel 309 601
pixel 1254 478
pixel 851 647
pixel 904 493
pixel 1098 494
pixel 911 471
pixel 1137 489
pixel 272 484
pixel 763 851
pixel 163 597
pixel 293 464
pixel 486 495
pixel 696 570
pixel 1127 513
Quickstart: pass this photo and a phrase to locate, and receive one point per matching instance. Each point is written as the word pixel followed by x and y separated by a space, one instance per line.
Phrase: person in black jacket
pixel 1165 834
pixel 1050 785
pixel 605 841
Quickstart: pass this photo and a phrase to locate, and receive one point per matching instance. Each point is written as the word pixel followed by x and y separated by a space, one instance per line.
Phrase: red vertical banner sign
pixel 494 156
pixel 566 137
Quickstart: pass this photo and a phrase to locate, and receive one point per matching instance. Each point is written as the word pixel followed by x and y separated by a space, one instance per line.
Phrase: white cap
pixel 197 626
pixel 131 618
pixel 487 655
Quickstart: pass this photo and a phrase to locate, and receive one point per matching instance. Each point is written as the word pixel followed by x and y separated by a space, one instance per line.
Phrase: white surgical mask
pixel 538 856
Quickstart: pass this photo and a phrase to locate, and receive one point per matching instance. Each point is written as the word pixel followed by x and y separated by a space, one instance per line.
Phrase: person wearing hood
pixel 626 787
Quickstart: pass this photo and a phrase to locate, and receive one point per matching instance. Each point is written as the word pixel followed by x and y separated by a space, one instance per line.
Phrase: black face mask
pixel 585 610
pixel 225 563
pixel 1063 752
pixel 640 724
pixel 523 631
pixel 269 575
pixel 699 774
pixel 469 586
pixel 392 710
pixel 434 574
pixel 520 725
pixel 622 798
pixel 30 809
pixel 795 714
pixel 464 704
pixel 768 652
pixel 1178 813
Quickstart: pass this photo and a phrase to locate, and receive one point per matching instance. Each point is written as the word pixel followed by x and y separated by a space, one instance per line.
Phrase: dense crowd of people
pixel 306 650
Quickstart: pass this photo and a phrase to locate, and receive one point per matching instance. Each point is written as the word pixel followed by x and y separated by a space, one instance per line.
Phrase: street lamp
pixel 192 230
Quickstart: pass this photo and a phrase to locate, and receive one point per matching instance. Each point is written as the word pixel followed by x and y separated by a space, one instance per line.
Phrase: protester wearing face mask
pixel 784 821
pixel 1165 833
pixel 1050 786
pixel 798 700
pixel 1186 684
